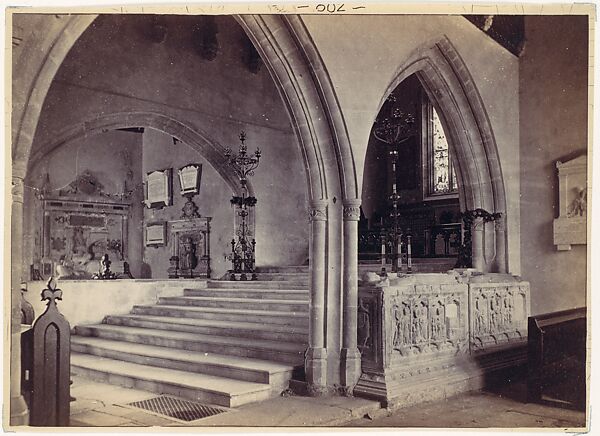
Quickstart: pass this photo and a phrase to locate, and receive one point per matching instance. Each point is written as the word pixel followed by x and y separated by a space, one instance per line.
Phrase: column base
pixel 315 366
pixel 351 369
pixel 19 413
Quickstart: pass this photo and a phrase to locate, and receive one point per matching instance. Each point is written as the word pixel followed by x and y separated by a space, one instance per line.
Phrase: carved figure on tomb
pixel 420 323
pixel 506 310
pixel 438 323
pixel 364 325
pixel 188 259
pixel 397 341
pixel 479 326
pixel 77 261
pixel 402 331
pixel 405 324
pixel 495 313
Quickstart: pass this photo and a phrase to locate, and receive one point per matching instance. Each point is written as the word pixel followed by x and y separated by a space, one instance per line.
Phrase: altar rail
pixel 429 336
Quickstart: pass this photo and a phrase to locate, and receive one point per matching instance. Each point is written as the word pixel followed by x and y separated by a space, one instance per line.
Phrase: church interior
pixel 227 207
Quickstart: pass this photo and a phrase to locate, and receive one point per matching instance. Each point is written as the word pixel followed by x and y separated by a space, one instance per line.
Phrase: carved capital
pixel 19 166
pixel 500 224
pixel 477 224
pixel 352 210
pixel 17 189
pixel 317 210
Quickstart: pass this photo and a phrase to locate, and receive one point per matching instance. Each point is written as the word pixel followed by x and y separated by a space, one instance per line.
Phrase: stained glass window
pixel 442 171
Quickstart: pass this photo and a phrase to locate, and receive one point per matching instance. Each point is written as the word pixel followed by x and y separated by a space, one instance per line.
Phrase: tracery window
pixel 439 171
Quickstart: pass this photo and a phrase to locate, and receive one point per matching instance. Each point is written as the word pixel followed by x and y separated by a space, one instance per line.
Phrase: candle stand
pixel 243 244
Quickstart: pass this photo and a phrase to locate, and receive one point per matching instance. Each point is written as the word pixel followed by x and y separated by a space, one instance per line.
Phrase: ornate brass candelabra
pixel 243 244
pixel 393 130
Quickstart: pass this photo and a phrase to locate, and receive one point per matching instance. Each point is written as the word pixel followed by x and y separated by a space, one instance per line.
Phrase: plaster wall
pixel 384 44
pixel 89 301
pixel 116 68
pixel 213 201
pixel 553 126
pixel 115 159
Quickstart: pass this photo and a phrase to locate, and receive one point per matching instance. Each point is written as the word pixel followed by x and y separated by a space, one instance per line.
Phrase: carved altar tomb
pixel 428 336
pixel 76 233
pixel 190 248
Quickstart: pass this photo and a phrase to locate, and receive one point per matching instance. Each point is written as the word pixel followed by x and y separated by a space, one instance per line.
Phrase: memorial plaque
pixel 189 179
pixel 158 189
pixel 155 234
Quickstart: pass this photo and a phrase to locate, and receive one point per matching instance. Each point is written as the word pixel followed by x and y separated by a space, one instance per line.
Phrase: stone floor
pixel 505 408
pixel 101 405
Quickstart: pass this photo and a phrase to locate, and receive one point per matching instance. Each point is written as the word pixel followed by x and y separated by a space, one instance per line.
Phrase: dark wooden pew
pixel 45 364
pixel 557 358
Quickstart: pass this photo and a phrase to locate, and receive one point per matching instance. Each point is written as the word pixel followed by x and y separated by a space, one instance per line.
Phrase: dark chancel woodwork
pixel 435 231
pixel 557 353
pixel 45 363
pixel 190 248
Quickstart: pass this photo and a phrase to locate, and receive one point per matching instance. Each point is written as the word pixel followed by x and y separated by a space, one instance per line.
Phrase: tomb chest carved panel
pixel 429 320
pixel 416 322
pixel 369 328
pixel 424 329
pixel 499 314
pixel 425 321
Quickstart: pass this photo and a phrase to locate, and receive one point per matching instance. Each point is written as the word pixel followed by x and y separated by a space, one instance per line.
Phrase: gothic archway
pixel 294 64
pixel 450 87
pixel 209 148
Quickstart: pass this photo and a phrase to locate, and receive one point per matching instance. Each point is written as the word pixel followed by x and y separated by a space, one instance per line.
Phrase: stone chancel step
pixel 222 391
pixel 244 347
pixel 274 332
pixel 228 344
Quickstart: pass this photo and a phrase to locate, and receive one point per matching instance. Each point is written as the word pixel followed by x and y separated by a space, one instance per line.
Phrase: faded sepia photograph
pixel 297 216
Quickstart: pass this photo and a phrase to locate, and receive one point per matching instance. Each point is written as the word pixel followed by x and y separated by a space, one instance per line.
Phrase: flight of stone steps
pixel 228 344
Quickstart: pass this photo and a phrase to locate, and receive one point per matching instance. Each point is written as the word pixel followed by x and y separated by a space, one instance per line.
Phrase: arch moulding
pixel 307 92
pixel 450 87
pixel 210 149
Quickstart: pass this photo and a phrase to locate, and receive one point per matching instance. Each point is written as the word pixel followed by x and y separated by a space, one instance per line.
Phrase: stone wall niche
pixel 429 336
pixel 190 248
pixel 571 225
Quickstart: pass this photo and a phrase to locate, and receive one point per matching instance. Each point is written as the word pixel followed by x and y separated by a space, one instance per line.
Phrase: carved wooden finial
pixel 51 293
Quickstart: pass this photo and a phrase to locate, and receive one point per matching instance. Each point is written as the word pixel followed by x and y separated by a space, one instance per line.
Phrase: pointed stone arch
pixel 38 64
pixel 306 89
pixel 449 85
pixel 208 147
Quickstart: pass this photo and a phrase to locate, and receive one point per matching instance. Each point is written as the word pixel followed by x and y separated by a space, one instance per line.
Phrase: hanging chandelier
pixel 397 126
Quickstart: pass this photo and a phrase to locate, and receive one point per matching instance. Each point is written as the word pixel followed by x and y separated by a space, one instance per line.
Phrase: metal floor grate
pixel 176 408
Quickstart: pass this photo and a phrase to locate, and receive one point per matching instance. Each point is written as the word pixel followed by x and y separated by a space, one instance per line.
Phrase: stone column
pixel 316 356
pixel 350 356
pixel 19 414
pixel 500 227
pixel 477 244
